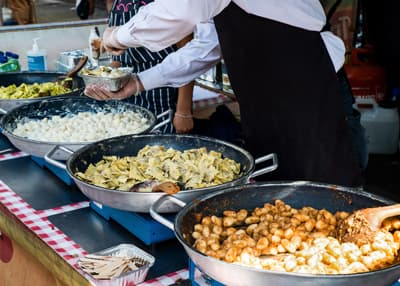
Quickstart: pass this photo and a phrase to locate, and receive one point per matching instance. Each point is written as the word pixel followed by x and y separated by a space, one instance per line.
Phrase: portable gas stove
pixel 141 225
pixel 60 173
pixel 198 278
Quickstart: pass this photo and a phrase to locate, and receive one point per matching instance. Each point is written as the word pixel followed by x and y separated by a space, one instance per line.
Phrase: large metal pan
pixel 296 194
pixel 131 144
pixel 64 106
pixel 18 78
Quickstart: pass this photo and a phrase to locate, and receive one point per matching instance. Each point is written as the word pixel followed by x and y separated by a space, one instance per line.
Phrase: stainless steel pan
pixel 131 144
pixel 64 106
pixel 296 194
pixel 18 78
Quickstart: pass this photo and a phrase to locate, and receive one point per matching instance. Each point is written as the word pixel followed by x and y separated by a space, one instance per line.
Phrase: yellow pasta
pixel 190 168
pixel 25 91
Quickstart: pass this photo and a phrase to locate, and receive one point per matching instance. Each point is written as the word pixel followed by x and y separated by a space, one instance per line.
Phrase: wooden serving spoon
pixel 360 227
pixel 65 79
pixel 74 71
pixel 166 187
pixel 155 186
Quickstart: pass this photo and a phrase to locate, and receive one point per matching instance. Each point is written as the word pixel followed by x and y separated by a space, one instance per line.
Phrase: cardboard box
pixel 343 21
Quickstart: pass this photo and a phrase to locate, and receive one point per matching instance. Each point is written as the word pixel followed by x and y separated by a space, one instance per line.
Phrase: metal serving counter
pixel 42 196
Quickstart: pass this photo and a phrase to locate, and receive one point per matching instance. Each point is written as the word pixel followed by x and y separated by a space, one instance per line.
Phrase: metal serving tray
pixel 132 277
pixel 113 83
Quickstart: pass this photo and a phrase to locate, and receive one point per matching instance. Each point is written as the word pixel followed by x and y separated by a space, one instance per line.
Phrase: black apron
pixel 289 98
pixel 156 100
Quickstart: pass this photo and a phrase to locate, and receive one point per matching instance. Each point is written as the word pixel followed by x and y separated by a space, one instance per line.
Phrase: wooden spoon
pixel 155 186
pixel 167 187
pixel 73 72
pixel 361 226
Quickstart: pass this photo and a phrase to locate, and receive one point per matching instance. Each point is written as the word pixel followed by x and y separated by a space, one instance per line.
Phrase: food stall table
pixel 46 225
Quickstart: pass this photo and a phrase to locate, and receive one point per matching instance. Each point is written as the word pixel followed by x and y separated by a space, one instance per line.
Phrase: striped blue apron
pixel 156 100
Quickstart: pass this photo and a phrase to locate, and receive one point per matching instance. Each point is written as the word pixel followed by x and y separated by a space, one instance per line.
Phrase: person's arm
pixel 183 120
pixel 189 62
pixel 161 24
pixel 177 69
pixel 20 12
pixel 92 7
pixel 109 4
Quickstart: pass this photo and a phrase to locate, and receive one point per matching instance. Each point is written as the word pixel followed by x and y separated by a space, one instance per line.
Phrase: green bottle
pixel 9 62
pixel 13 59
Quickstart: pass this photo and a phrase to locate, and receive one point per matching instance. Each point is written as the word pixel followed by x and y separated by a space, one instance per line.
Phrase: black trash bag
pixel 82 10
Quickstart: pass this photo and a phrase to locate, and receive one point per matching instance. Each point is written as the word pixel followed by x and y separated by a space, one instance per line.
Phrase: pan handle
pixel 154 214
pixel 54 162
pixel 169 112
pixel 7 150
pixel 265 170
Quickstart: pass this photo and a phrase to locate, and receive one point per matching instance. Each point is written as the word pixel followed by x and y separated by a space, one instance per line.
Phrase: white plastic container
pixel 37 58
pixel 381 126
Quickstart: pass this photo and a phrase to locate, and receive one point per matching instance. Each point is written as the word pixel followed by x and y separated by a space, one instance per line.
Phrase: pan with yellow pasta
pixel 104 171
pixel 193 168
pixel 18 88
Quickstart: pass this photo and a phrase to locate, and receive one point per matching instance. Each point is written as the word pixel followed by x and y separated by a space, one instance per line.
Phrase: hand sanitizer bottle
pixel 37 58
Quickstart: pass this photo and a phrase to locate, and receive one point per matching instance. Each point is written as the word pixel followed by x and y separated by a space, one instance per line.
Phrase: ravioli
pixel 193 168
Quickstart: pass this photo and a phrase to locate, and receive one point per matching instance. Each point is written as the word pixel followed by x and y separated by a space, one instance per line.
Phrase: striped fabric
pixel 156 100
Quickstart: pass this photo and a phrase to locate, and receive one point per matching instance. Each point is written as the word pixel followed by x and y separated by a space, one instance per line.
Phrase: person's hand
pixel 110 42
pixel 183 123
pixel 98 92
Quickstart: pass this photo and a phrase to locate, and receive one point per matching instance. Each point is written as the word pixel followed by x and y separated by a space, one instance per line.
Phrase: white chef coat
pixel 188 62
pixel 164 22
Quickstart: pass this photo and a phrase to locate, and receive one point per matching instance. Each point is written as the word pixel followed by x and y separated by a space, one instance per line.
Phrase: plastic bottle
pixel 37 58
pixel 382 125
pixel 13 60
pixel 3 64
pixel 9 62
pixel 94 45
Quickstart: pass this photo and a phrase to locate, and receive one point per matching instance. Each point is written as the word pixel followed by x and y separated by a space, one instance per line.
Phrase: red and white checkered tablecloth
pixel 37 221
pixel 62 209
pixel 40 225
pixel 12 155
pixel 167 279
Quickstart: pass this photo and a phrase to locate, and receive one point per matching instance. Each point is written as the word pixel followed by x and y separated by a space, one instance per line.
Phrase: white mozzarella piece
pixel 83 127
